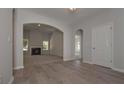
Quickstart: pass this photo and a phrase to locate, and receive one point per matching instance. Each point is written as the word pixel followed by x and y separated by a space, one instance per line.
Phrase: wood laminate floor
pixel 72 72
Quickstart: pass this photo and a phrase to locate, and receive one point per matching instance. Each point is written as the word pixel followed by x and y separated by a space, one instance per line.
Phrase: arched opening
pixel 42 43
pixel 78 44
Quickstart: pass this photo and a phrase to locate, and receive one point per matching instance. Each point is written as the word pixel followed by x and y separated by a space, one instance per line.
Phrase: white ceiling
pixel 63 15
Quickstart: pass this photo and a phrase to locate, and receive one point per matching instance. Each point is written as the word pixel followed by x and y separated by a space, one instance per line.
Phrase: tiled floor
pixel 59 72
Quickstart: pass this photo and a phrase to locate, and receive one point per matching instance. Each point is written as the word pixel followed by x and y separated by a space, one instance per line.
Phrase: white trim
pixel 112 49
pixel 19 67
pixel 89 62
pixel 69 59
pixel 119 70
pixel 11 80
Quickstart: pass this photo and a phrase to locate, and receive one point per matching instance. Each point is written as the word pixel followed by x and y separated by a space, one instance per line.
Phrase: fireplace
pixel 36 51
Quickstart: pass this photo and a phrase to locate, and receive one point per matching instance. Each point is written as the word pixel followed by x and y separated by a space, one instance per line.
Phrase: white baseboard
pixel 19 67
pixel 119 70
pixel 116 69
pixel 11 80
pixel 69 59
pixel 89 62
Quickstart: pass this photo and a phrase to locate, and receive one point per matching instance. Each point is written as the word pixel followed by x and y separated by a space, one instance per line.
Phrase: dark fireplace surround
pixel 36 51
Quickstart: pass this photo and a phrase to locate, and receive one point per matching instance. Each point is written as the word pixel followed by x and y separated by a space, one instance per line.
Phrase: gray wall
pixel 6 45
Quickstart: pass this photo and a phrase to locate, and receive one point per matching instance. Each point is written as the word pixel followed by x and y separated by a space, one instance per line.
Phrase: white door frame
pixel 81 46
pixel 112 43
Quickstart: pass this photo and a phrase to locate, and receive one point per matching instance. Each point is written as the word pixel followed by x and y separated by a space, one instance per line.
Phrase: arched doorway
pixel 78 52
pixel 24 17
pixel 42 43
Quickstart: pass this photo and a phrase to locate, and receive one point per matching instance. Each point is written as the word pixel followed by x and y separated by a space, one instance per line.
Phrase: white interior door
pixel 102 45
